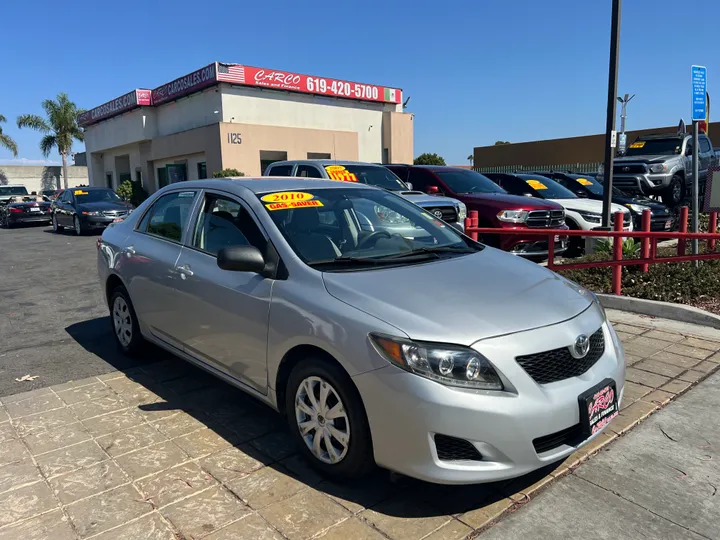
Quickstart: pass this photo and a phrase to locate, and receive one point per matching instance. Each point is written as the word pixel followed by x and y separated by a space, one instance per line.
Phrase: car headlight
pixel 638 208
pixel 513 216
pixel 462 211
pixel 452 365
pixel 658 167
pixel 590 217
pixel 90 213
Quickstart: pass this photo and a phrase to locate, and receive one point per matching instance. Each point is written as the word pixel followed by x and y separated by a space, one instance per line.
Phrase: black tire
pixel 675 192
pixel 576 244
pixel 358 460
pixel 135 344
pixel 77 226
pixel 56 227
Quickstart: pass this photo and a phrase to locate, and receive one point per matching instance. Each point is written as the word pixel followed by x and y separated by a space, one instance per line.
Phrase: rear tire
pixel 675 192
pixel 124 323
pixel 336 439
pixel 576 244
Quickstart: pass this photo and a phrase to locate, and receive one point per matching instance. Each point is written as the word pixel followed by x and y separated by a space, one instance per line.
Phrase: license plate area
pixel 598 406
pixel 34 209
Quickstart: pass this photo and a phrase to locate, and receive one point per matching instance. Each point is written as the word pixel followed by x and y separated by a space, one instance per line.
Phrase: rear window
pixel 366 174
pixel 279 170
pixel 468 182
pixel 13 190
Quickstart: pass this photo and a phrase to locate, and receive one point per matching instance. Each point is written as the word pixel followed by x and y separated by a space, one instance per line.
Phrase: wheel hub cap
pixel 322 420
pixel 122 321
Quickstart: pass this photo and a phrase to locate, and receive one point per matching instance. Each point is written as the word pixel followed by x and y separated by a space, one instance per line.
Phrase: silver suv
pixel 451 211
pixel 662 164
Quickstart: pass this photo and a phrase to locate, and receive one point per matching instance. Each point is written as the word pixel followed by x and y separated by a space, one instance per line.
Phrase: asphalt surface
pixel 54 324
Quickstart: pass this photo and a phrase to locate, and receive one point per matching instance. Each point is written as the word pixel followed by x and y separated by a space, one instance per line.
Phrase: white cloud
pixel 26 161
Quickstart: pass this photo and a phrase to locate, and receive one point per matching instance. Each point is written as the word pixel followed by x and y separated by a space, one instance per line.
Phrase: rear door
pixel 225 322
pixel 150 264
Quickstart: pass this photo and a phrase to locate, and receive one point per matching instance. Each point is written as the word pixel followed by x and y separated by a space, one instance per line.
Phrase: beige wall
pixel 398 136
pixel 297 142
pixel 41 178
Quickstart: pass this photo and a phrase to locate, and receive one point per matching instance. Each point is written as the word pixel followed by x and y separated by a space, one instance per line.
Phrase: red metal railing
pixel 648 243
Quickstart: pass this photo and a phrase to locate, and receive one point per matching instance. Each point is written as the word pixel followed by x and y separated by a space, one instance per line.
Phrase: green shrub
pixel 132 192
pixel 227 172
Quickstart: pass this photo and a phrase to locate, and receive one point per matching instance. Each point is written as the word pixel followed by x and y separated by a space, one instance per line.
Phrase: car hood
pixel 486 294
pixel 104 206
pixel 655 206
pixel 422 199
pixel 505 201
pixel 646 159
pixel 589 205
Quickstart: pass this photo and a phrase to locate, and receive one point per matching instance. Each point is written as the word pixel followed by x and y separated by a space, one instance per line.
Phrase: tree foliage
pixel 6 141
pixel 225 173
pixel 429 159
pixel 132 192
pixel 500 143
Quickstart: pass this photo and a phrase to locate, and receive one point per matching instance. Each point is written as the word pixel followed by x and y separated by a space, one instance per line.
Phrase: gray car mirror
pixel 241 259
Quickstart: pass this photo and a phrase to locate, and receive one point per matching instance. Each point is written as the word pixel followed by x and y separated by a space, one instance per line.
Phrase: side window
pixel 68 197
pixel 704 145
pixel 418 179
pixel 279 170
pixel 169 215
pixel 402 173
pixel 516 186
pixel 224 222
pixel 308 171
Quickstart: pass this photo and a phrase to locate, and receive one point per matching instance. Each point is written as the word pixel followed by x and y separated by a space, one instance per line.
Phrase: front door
pixel 227 312
pixel 150 265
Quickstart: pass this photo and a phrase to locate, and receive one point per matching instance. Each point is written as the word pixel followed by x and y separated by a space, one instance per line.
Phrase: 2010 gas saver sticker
pixel 293 204
pixel 287 196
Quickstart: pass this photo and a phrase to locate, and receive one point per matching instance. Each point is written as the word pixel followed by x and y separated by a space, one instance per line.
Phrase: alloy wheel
pixel 322 420
pixel 677 192
pixel 54 223
pixel 122 321
pixel 78 229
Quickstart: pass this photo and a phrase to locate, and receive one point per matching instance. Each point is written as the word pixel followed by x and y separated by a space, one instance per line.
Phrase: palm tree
pixel 60 128
pixel 5 140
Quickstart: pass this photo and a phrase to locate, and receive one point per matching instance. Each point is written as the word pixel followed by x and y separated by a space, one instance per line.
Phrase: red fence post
pixel 472 222
pixel 617 255
pixel 712 229
pixel 645 242
pixel 683 229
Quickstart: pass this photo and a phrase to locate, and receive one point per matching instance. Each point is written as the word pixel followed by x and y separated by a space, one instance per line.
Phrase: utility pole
pixel 611 111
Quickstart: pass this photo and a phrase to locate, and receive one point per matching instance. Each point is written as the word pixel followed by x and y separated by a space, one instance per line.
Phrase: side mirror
pixel 433 190
pixel 409 185
pixel 241 259
pixel 581 194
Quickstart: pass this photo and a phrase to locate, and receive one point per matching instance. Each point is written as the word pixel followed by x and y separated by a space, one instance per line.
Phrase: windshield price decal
pixel 584 182
pixel 536 184
pixel 638 144
pixel 293 204
pixel 80 192
pixel 287 196
pixel 338 172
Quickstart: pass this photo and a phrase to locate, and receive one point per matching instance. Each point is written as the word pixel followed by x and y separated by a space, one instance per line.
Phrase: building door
pixel 176 172
pixel 108 180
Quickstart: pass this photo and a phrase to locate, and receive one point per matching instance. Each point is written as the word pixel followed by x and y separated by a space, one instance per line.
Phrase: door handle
pixel 184 270
pixel 130 251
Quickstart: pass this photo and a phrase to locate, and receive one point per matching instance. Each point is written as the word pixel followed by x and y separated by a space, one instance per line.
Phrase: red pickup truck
pixel 496 208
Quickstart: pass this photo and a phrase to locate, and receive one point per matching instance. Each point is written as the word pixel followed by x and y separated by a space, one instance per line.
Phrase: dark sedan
pixel 25 210
pixel 661 219
pixel 87 208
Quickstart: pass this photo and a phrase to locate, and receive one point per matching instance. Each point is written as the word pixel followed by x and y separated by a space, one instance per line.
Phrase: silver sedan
pixel 412 347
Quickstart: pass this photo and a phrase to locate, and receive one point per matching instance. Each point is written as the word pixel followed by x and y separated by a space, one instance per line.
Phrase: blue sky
pixel 476 71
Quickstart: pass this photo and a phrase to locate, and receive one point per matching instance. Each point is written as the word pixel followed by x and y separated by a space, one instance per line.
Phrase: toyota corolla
pixel 426 353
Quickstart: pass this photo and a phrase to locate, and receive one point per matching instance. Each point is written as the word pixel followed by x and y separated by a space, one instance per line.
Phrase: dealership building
pixel 241 117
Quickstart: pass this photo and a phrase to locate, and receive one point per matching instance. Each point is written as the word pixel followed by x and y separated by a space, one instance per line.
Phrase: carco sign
pixel 129 101
pixel 192 82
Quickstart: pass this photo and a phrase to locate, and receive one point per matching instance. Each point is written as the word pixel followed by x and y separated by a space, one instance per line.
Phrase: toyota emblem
pixel 626 169
pixel 437 214
pixel 581 347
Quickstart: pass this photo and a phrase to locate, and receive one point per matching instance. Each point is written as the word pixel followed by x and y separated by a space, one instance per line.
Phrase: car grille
pixel 627 184
pixel 571 436
pixel 544 219
pixel 627 218
pixel 558 364
pixel 114 213
pixel 447 213
pixel 453 449
pixel 630 168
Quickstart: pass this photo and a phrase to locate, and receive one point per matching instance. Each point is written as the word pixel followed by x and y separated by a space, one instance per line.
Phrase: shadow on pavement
pixel 262 434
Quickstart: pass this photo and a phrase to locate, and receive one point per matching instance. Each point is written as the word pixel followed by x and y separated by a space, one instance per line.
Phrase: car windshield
pixel 589 183
pixel 366 174
pixel 660 147
pixel 546 188
pixel 339 229
pixel 468 182
pixel 95 195
pixel 13 190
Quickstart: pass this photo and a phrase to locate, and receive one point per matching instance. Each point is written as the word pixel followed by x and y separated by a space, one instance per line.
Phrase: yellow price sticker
pixel 293 204
pixel 80 192
pixel 342 176
pixel 287 196
pixel 334 168
pixel 584 182
pixel 536 184
pixel 638 144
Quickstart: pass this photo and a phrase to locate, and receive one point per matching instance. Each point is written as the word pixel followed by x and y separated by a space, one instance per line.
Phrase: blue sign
pixel 699 91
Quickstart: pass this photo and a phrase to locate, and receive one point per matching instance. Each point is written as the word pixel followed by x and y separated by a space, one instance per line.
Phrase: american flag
pixel 231 73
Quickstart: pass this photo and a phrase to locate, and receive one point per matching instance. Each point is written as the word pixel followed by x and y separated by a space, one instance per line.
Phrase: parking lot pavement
pixel 160 450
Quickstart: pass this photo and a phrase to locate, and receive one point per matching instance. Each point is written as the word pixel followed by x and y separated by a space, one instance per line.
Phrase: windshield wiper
pixel 427 251
pixel 351 261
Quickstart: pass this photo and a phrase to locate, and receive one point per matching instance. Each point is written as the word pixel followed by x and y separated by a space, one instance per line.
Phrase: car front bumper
pixel 406 411
pixel 95 222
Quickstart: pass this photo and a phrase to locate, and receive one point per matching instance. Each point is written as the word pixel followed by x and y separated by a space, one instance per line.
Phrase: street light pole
pixel 611 111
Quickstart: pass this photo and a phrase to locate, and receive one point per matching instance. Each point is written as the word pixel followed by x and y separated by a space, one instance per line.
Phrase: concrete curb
pixel 664 310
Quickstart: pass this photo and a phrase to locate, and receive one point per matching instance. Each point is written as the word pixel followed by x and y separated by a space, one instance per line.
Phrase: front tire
pixel 327 420
pixel 77 226
pixel 124 323
pixel 674 193
pixel 56 228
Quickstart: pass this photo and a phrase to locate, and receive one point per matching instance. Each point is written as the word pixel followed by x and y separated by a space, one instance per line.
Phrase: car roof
pixel 266 184
pixel 90 188
pixel 323 162
pixel 430 167
pixel 652 136
pixel 13 185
